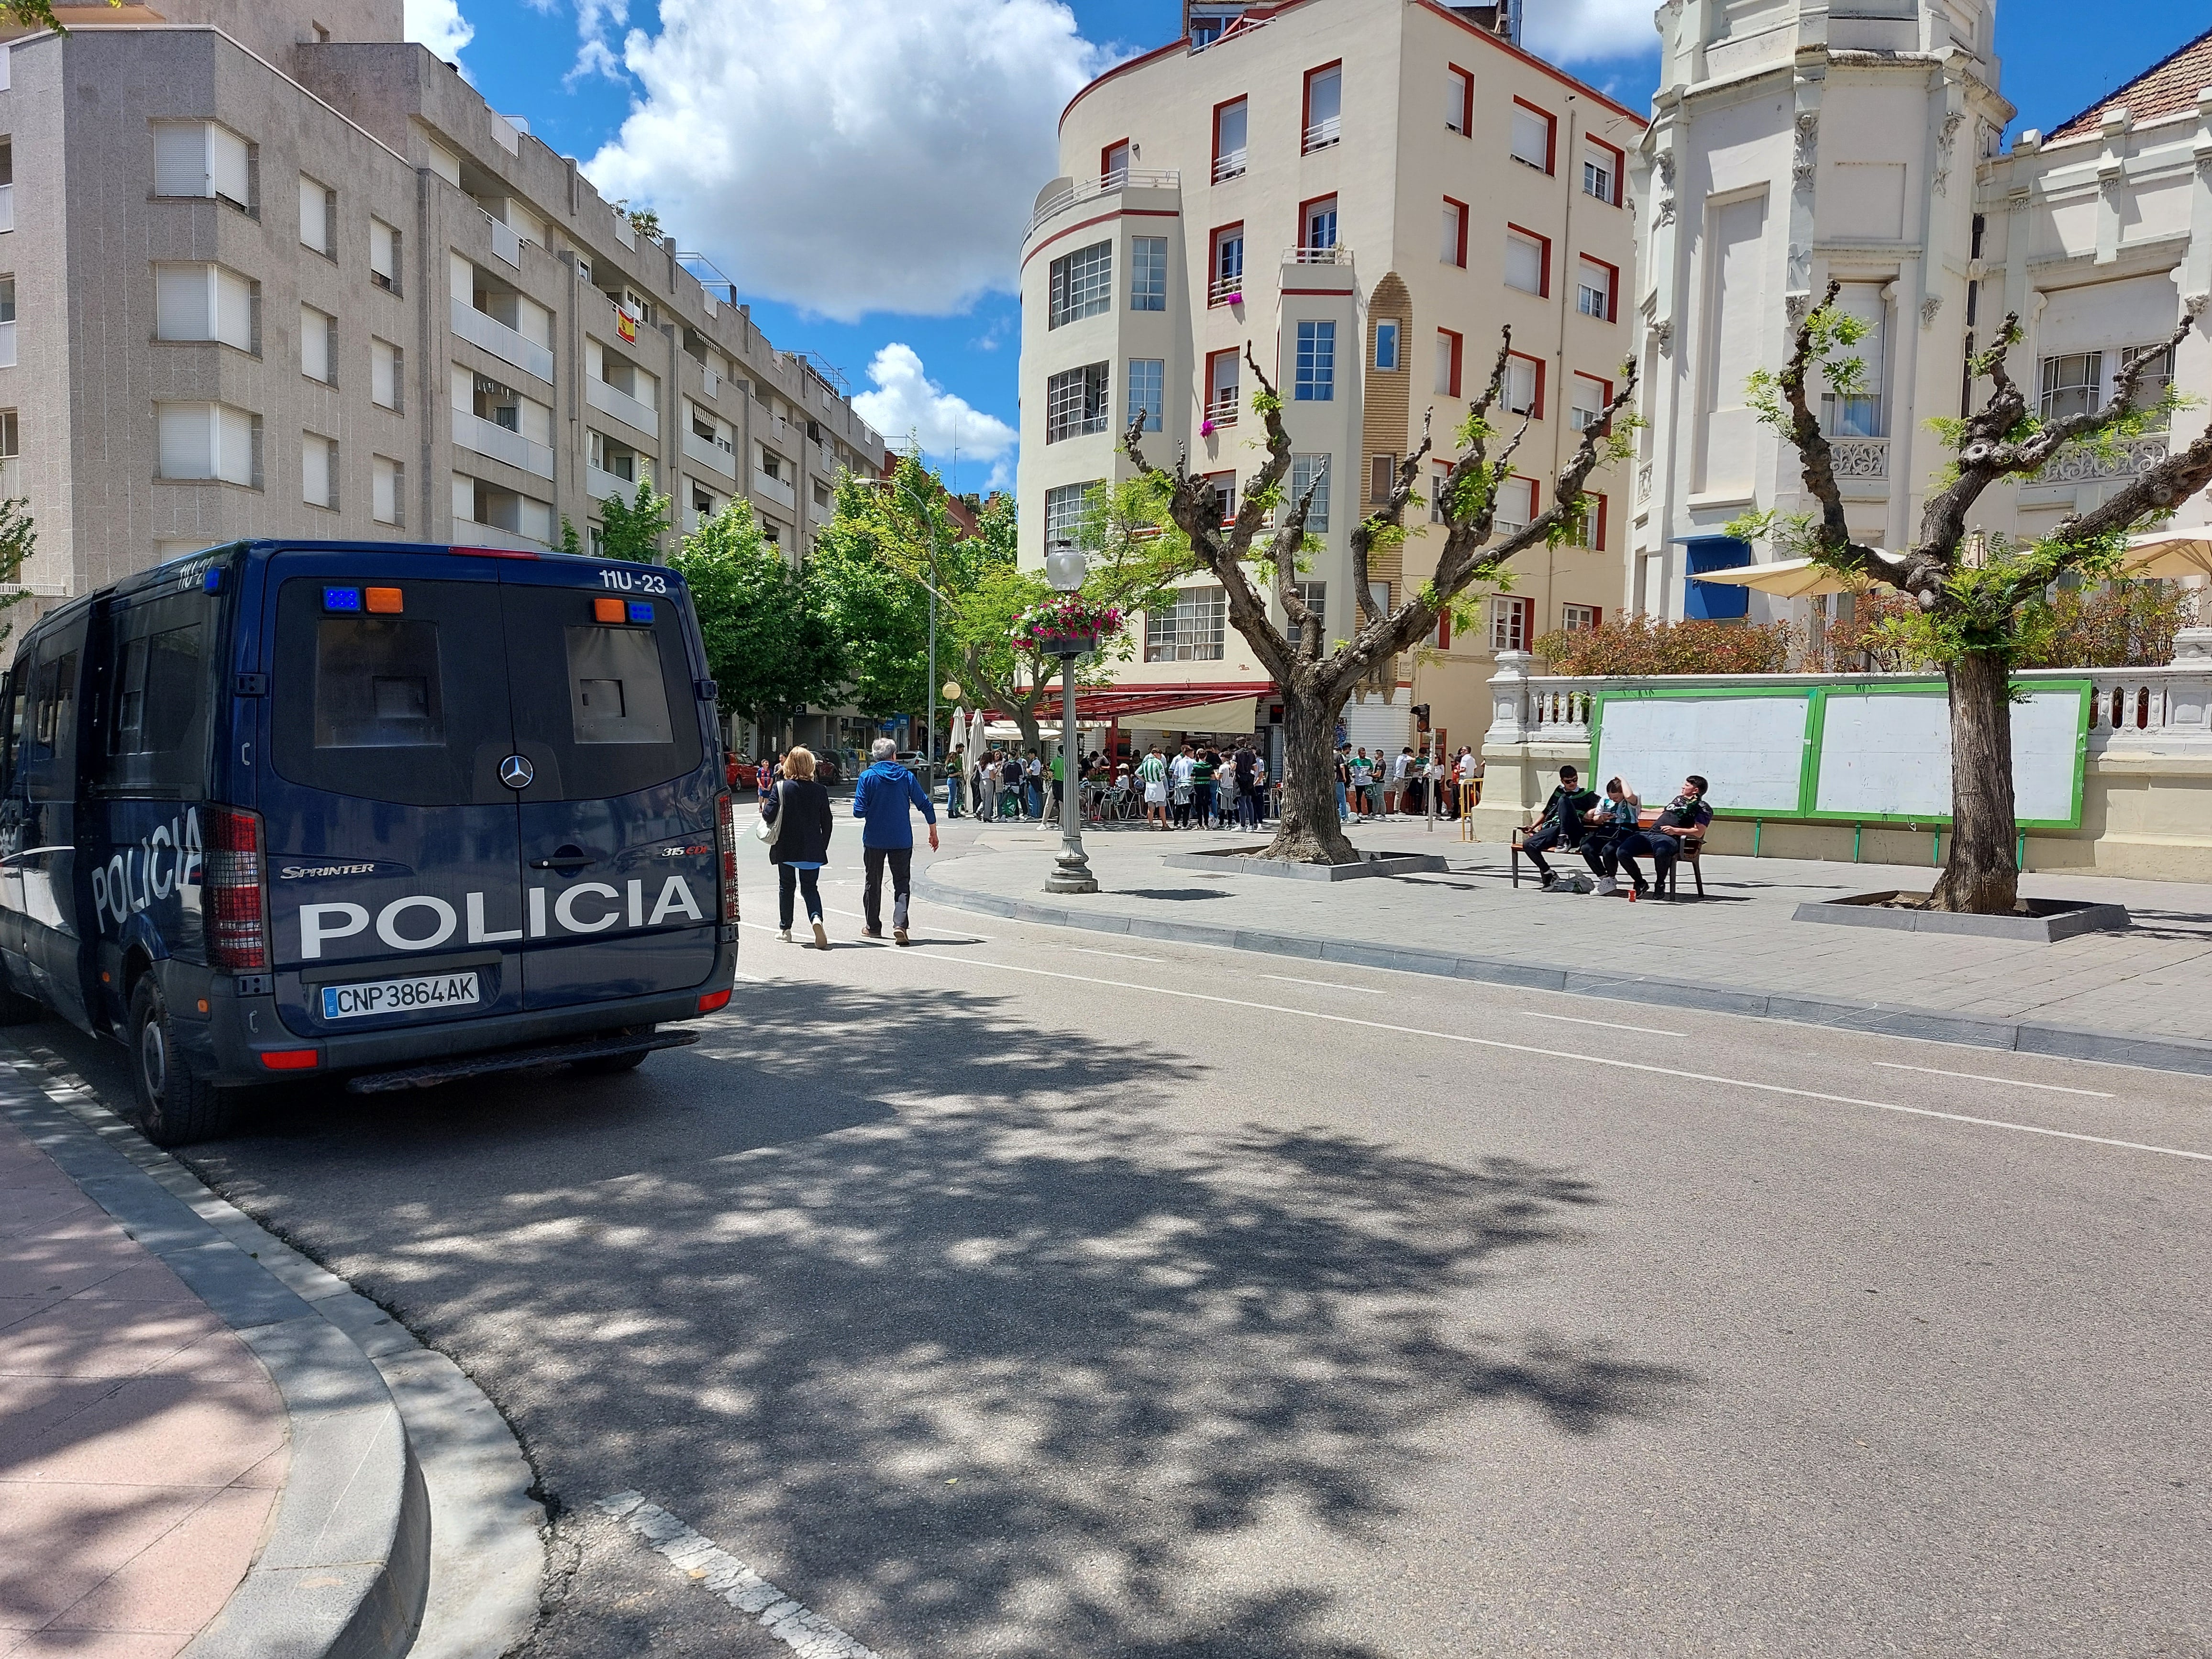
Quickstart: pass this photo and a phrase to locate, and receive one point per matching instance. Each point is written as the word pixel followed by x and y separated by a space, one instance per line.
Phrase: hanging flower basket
pixel 1206 428
pixel 1069 626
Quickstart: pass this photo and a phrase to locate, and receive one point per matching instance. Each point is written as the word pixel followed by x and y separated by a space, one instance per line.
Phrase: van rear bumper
pixel 227 1047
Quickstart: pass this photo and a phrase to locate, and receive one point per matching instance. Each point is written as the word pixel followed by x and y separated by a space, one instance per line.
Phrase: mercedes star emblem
pixel 516 772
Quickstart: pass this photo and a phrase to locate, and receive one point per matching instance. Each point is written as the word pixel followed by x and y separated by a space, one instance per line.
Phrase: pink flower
pixel 1206 428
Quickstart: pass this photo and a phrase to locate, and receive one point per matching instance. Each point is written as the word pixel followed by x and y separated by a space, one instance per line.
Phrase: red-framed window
pixel 1511 622
pixel 1519 502
pixel 1232 123
pixel 1535 141
pixel 1453 248
pixel 1443 637
pixel 1590 525
pixel 1317 222
pixel 1524 385
pixel 1322 108
pixel 1114 158
pixel 1459 100
pixel 1581 618
pixel 1603 171
pixel 1224 262
pixel 1226 483
pixel 1450 345
pixel 1597 288
pixel 1589 395
pixel 1222 378
pixel 1528 260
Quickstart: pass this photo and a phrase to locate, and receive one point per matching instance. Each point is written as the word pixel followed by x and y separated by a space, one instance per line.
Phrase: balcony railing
pixel 709 454
pixel 620 404
pixel 1127 178
pixel 477 534
pixel 504 242
pixel 1222 411
pixel 7 345
pixel 1226 289
pixel 625 233
pixel 600 483
pixel 1322 134
pixel 2078 463
pixel 1859 458
pixel 7 207
pixel 503 341
pixel 1228 165
pixel 1336 254
pixel 472 431
pixel 711 381
pixel 778 490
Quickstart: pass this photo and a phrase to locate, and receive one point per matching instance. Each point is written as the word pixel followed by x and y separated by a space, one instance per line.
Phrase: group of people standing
pixel 1380 785
pixel 1004 785
pixel 1199 787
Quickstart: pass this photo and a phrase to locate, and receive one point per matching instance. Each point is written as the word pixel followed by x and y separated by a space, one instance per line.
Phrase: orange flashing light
pixel 609 611
pixel 384 601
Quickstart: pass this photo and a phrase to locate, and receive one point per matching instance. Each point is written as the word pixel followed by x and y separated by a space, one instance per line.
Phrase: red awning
pixel 1097 704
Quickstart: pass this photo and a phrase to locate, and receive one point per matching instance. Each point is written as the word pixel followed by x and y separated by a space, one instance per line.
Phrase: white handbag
pixel 769 828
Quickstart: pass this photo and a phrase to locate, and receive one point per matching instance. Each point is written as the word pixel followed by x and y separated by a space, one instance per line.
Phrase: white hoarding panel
pixel 1751 750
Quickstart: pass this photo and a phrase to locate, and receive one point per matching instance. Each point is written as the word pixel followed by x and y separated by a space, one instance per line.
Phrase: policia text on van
pixel 283 810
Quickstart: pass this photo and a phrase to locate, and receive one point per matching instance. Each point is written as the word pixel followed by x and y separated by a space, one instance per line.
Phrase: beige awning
pixel 1235 715
pixel 1789 578
pixel 2169 553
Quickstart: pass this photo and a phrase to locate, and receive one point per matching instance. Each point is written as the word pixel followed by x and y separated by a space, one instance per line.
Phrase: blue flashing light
pixel 341 598
pixel 641 611
pixel 212 582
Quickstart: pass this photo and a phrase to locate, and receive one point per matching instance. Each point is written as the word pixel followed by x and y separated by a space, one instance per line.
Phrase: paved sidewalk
pixel 143 1446
pixel 2145 995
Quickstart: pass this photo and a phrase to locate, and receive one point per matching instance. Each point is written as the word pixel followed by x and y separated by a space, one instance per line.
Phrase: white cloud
pixel 850 155
pixel 907 405
pixel 439 25
pixel 1581 31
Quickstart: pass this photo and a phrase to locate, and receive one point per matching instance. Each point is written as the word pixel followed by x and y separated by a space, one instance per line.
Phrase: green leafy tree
pixel 19 539
pixel 861 578
pixel 1977 601
pixel 36 13
pixel 631 531
pixel 769 647
pixel 1316 677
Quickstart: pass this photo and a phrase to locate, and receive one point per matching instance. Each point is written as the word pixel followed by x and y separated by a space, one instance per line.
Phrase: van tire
pixel 176 1106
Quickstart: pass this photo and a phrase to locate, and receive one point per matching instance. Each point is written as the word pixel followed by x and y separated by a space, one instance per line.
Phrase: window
pixel 2151 385
pixel 1221 387
pixel 1148 273
pixel 1587 527
pixel 1063 511
pixel 1314 596
pixel 1516 506
pixel 1229 130
pixel 1075 403
pixel 1386 345
pixel 1316 367
pixel 1858 413
pixel 1191 627
pixel 1311 472
pixel 1082 284
pixel 1524 386
pixel 383 256
pixel 1579 618
pixel 823 496
pixel 1324 105
pixel 208 441
pixel 318 217
pixel 198 158
pixel 1437 482
pixel 1226 264
pixel 1532 136
pixel 1317 223
pixel 1147 390
pixel 386 374
pixel 158 667
pixel 1453 250
pixel 617 692
pixel 1459 100
pixel 318 335
pixel 2080 382
pixel 1508 623
pixel 205 302
pixel 1587 398
pixel 388 491
pixel 1528 262
pixel 1114 164
pixel 1602 173
pixel 1594 282
pixel 1382 474
pixel 318 471
pixel 1225 488
pixel 1449 346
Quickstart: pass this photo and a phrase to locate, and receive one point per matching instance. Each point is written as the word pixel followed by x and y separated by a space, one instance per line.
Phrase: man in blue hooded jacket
pixel 880 802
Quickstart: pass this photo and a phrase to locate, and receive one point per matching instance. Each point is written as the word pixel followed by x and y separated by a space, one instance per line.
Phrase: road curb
pixel 2024 1036
pixel 406 1525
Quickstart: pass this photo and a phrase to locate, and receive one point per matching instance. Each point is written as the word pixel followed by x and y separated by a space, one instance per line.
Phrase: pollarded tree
pixel 1975 602
pixel 1313 676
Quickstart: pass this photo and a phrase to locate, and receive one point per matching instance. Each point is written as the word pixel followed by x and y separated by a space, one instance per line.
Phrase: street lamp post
pixel 1070 869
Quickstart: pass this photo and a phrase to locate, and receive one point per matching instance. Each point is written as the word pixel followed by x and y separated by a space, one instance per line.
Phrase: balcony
pixel 711 380
pixel 778 490
pixel 620 404
pixel 1226 290
pixel 7 345
pixel 1222 411
pixel 1228 165
pixel 1323 133
pixel 625 233
pixel 503 341
pixel 7 207
pixel 2076 463
pixel 1334 254
pixel 489 438
pixel 1112 183
pixel 505 243
pixel 1859 459
pixel 469 533
pixel 600 483
pixel 709 454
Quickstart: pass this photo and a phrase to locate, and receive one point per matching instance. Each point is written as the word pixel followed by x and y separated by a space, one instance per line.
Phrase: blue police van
pixel 398 814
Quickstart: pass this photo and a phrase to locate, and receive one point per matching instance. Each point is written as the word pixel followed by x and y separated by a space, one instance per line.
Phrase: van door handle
pixel 577 862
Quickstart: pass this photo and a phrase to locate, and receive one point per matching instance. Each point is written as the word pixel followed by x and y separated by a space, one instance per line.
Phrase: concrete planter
pixel 1246 861
pixel 2039 921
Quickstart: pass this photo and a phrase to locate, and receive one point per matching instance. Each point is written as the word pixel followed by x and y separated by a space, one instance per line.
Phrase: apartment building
pixel 281 274
pixel 1860 140
pixel 1365 191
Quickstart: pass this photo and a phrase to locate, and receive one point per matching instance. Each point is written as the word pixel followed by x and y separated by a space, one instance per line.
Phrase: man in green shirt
pixel 1153 778
pixel 1058 771
pixel 1565 819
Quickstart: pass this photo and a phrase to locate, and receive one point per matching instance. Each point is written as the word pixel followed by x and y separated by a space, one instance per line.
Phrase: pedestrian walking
pixel 956 770
pixel 880 801
pixel 799 807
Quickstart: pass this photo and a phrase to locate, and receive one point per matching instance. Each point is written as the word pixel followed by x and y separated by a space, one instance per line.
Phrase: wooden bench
pixel 1692 846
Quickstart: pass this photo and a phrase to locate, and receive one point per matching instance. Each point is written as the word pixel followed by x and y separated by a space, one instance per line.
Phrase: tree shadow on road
pixel 945 1324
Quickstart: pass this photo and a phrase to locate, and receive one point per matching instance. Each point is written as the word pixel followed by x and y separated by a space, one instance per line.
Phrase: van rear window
pixel 377 686
pixel 606 709
pixel 615 690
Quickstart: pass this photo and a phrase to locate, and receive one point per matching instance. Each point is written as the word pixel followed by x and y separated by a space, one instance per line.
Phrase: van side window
pixel 19 689
pixel 50 755
pixel 157 669
pixel 615 693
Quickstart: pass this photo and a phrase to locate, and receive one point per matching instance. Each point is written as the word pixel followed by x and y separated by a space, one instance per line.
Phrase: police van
pixel 283 811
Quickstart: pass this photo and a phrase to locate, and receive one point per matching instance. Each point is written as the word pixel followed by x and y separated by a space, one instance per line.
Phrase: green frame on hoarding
pixel 1815 698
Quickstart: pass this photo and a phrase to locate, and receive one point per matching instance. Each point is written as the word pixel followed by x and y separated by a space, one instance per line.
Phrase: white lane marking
pixel 698 1558
pixel 1119 955
pixel 1591 1059
pixel 1327 984
pixel 1981 1077
pixel 1610 1025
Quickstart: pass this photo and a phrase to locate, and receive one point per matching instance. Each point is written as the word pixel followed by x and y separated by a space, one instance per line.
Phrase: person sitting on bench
pixel 1685 815
pixel 1562 824
pixel 1611 837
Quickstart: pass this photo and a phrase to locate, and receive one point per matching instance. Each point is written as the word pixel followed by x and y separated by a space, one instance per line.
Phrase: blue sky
pixel 804 143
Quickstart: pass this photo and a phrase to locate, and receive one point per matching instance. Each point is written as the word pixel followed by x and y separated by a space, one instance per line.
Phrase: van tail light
pixel 230 893
pixel 725 844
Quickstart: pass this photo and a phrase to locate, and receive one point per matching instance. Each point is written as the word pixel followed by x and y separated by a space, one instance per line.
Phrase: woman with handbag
pixel 795 823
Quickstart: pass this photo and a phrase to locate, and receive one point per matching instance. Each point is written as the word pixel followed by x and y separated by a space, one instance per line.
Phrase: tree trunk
pixel 1025 717
pixel 1981 877
pixel 1310 832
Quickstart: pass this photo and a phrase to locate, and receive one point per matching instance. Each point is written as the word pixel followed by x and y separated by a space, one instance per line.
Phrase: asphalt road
pixel 1036 1293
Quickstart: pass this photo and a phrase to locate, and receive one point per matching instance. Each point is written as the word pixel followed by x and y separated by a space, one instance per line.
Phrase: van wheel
pixel 176 1105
